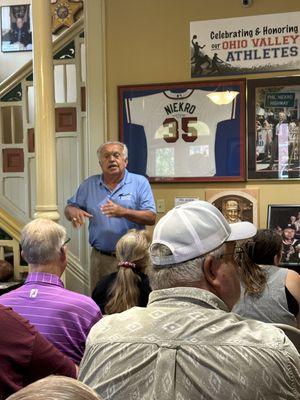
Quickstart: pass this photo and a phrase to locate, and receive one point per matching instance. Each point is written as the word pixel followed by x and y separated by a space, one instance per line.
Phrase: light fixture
pixel 222 97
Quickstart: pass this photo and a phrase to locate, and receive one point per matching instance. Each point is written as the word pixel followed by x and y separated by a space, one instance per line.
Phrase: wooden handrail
pixel 10 225
pixel 13 228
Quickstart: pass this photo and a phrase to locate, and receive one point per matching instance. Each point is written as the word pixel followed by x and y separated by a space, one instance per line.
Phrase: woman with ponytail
pixel 129 286
pixel 268 293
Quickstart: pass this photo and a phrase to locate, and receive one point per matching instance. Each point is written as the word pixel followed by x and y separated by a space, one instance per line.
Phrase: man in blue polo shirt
pixel 114 202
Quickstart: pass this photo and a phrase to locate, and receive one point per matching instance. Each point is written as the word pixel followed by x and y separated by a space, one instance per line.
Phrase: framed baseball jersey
pixel 193 131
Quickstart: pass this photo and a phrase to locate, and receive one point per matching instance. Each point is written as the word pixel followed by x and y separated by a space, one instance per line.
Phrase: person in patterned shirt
pixel 186 344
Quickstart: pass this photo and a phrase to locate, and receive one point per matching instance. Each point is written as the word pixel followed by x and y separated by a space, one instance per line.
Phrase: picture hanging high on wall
pixel 274 128
pixel 16 32
pixel 192 131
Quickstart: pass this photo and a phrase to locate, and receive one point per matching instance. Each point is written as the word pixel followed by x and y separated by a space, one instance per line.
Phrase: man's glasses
pixel 66 242
pixel 237 255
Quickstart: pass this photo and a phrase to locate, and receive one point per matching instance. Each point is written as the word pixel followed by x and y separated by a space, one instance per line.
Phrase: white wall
pixel 11 62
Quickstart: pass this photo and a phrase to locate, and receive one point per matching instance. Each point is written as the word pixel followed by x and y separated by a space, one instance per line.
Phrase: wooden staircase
pixel 17 148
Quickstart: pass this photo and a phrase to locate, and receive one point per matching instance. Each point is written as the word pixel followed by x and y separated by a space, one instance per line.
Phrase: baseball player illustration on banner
pixel 199 59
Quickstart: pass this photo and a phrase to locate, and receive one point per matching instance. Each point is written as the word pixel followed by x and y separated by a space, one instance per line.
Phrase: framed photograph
pixel 191 131
pixel 16 32
pixel 274 128
pixel 235 205
pixel 285 220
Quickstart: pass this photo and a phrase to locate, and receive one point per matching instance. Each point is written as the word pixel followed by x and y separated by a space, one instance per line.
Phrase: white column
pixel 94 22
pixel 46 197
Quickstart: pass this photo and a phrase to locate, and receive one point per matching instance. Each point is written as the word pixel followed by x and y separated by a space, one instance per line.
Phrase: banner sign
pixel 245 45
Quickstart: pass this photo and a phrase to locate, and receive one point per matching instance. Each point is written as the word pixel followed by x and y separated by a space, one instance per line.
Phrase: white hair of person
pixel 123 145
pixel 56 387
pixel 181 274
pixel 42 240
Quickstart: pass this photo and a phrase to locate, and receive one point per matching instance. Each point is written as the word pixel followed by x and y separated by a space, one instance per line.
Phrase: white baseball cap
pixel 194 229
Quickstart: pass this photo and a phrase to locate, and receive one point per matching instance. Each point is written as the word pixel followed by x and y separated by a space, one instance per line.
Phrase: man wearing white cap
pixel 186 345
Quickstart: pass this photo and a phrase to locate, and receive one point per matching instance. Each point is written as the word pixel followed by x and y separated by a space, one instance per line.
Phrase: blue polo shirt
pixel 133 192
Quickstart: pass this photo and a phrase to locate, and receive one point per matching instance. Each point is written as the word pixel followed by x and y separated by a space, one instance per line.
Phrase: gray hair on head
pixel 123 145
pixel 42 240
pixel 56 388
pixel 182 274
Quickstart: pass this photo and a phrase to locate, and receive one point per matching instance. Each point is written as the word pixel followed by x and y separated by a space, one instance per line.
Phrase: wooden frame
pixel 285 220
pixel 16 32
pixel 246 201
pixel 274 128
pixel 65 119
pixel 176 133
pixel 13 160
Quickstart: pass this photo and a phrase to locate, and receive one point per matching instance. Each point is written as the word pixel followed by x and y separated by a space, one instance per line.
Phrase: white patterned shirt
pixel 186 346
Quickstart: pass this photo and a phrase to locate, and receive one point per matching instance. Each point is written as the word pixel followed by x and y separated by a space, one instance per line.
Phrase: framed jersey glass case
pixel 192 131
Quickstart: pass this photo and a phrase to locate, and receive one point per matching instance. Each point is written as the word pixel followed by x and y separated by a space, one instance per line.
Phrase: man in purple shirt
pixel 62 316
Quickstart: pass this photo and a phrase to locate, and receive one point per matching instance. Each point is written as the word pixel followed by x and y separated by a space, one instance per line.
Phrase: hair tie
pixel 126 264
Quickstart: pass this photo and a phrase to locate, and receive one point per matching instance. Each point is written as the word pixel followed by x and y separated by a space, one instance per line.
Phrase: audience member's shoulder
pixel 11 320
pixel 116 323
pixel 291 274
pixel 78 298
pixel 265 335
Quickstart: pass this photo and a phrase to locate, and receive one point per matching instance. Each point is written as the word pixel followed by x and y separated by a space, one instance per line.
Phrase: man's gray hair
pixel 182 274
pixel 56 388
pixel 42 240
pixel 123 145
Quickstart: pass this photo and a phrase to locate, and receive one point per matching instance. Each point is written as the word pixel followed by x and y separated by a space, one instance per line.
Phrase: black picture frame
pixel 273 140
pixel 16 34
pixel 165 148
pixel 279 220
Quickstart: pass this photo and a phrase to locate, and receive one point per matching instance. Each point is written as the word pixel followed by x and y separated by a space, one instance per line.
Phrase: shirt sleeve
pixel 97 316
pixel 146 199
pixel 47 360
pixel 79 198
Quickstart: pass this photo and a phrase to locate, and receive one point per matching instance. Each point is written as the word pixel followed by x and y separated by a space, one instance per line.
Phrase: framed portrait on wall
pixel 192 131
pixel 235 204
pixel 274 128
pixel 285 220
pixel 16 32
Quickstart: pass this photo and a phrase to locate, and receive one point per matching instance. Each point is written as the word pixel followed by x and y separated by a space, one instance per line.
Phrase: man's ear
pixel 210 270
pixel 63 254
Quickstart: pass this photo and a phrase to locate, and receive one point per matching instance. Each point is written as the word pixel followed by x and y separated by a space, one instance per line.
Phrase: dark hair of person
pixel 132 252
pixel 265 245
pixel 261 249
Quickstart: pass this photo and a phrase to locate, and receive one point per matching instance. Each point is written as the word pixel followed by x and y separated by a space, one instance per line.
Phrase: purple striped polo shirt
pixel 63 316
